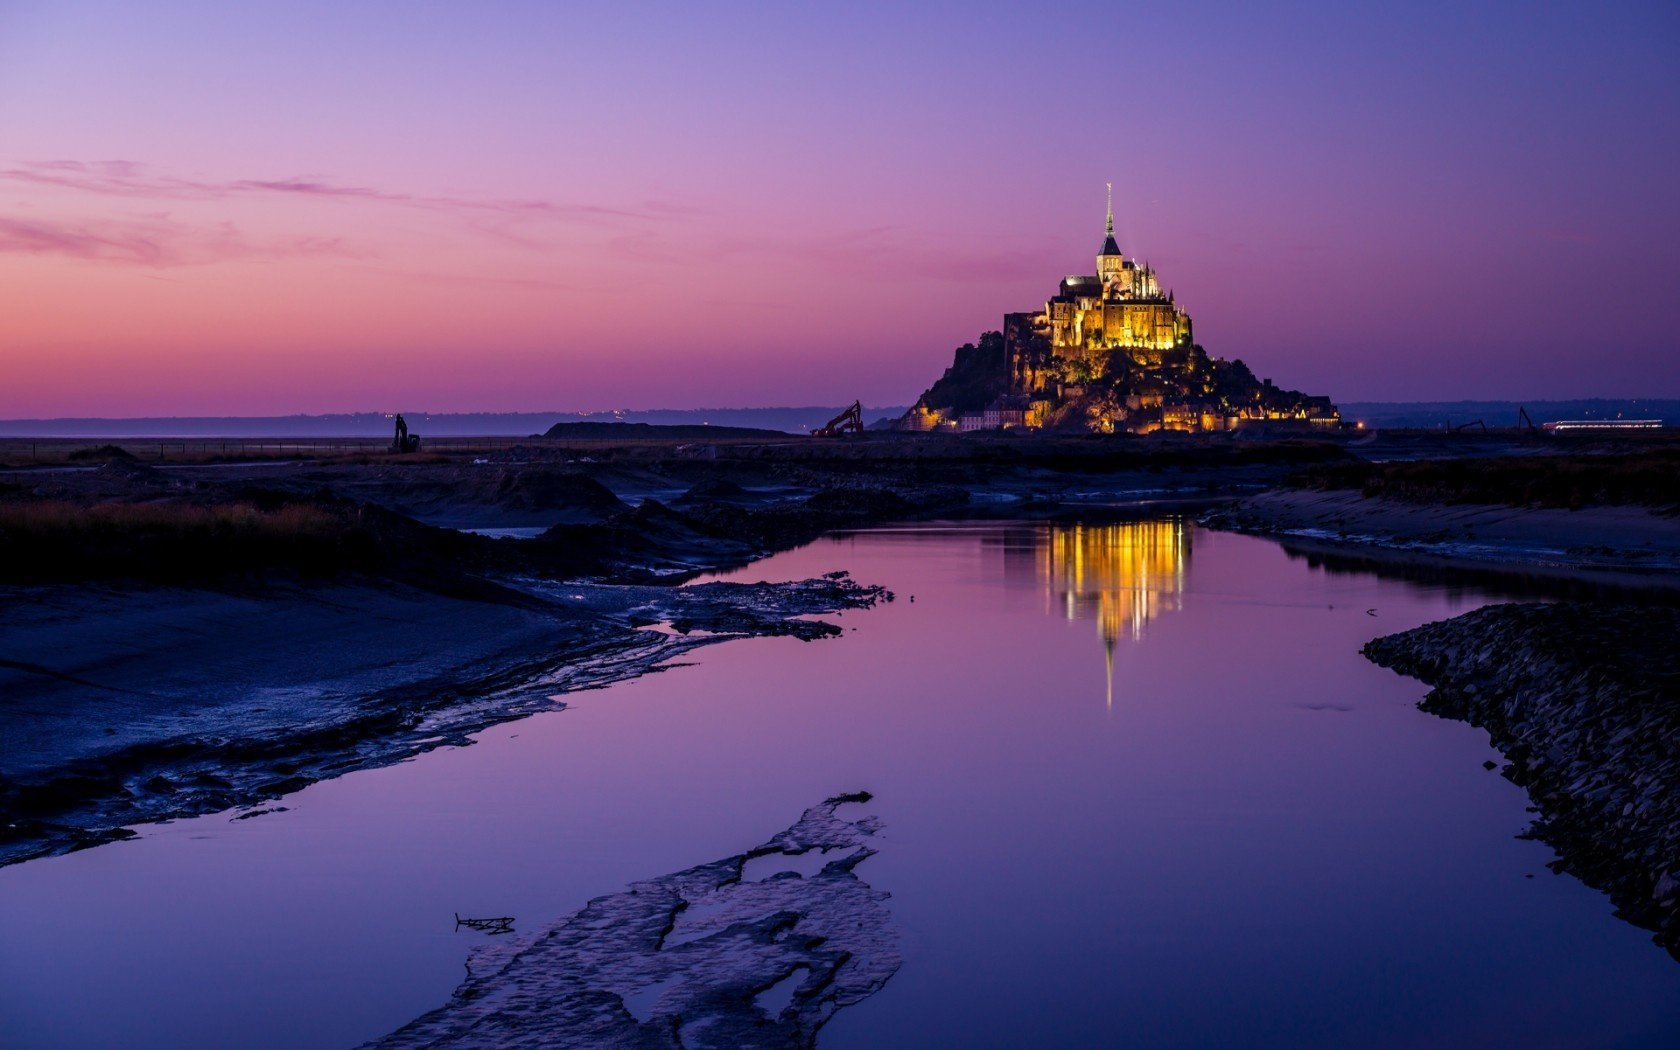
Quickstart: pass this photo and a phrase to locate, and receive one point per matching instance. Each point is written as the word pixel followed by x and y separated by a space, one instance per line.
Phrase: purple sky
pixel 218 208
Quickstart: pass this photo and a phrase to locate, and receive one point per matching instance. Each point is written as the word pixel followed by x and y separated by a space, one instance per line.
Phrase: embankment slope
pixel 1584 700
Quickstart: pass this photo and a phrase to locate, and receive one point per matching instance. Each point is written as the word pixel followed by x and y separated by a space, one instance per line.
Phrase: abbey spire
pixel 1109 247
pixel 1111 265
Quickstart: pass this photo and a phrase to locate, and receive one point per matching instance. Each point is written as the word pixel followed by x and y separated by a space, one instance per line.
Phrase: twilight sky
pixel 214 208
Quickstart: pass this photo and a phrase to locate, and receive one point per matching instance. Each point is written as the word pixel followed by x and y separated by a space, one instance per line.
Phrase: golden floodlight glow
pixel 1122 575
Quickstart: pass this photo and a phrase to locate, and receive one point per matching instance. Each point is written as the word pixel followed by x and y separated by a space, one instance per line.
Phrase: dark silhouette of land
pixel 374 601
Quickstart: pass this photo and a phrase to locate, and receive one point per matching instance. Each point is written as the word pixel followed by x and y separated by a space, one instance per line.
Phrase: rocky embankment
pixel 1584 700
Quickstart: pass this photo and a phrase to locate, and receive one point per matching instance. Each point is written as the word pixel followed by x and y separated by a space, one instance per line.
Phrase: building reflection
pixel 1122 576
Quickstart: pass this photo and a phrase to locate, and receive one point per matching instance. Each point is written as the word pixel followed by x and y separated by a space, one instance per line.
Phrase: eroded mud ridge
pixel 104 728
pixel 1599 541
pixel 1585 702
pixel 707 957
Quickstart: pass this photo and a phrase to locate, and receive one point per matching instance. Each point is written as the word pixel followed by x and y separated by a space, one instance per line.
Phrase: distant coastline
pixel 793 420
pixel 1433 415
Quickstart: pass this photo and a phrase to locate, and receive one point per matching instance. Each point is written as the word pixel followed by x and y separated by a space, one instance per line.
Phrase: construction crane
pixel 1524 423
pixel 847 422
pixel 1476 423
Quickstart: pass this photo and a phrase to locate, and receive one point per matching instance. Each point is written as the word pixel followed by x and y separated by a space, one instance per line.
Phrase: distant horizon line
pixel 732 409
pixel 421 414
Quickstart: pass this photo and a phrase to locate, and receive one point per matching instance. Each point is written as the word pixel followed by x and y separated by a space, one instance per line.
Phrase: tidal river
pixel 1138 787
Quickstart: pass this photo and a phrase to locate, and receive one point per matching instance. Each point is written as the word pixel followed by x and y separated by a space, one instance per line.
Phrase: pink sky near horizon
pixel 212 210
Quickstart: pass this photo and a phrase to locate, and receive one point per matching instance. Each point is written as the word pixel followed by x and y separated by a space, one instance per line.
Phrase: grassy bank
pixel 55 540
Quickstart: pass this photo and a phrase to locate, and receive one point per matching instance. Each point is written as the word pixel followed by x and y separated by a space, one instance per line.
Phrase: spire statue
pixel 1110 186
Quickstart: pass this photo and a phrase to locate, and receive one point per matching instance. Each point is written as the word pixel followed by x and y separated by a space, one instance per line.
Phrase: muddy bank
pixel 546 484
pixel 1509 582
pixel 123 705
pixel 173 646
pixel 129 522
pixel 1584 700
pixel 1644 473
pixel 1607 540
pixel 735 953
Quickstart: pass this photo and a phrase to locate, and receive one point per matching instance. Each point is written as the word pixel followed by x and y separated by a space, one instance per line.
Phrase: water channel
pixel 1139 787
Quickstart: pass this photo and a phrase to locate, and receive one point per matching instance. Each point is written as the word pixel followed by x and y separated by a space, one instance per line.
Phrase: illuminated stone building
pixel 1111 351
pixel 1120 307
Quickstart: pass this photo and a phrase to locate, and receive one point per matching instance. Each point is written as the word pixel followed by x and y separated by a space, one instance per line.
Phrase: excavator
pixel 404 441
pixel 847 422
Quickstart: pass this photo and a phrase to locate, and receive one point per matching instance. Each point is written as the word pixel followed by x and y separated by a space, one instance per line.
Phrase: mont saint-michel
pixel 1111 351
pixel 489 559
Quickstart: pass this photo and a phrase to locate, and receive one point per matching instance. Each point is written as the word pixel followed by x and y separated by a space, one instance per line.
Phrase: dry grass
pixel 61 517
pixel 47 540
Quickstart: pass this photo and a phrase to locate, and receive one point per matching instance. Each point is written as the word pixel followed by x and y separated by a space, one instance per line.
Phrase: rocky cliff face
pixel 979 375
pixel 1585 702
pixel 1104 390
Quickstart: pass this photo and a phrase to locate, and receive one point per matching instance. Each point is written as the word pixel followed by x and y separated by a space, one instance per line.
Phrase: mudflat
pixel 1610 538
pixel 189 637
pixel 126 705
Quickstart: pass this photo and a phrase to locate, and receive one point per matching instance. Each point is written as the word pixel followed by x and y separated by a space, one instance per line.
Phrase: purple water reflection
pixel 1139 787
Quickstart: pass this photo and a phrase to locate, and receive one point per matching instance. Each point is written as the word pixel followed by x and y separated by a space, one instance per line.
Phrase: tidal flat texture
pixel 121 707
pixel 704 957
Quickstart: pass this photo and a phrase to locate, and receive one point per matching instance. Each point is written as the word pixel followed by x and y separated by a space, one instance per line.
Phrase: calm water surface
pixel 1140 788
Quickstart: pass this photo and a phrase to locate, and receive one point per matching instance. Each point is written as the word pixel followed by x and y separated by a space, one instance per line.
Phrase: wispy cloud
pixel 156 242
pixel 126 178
pixel 34 237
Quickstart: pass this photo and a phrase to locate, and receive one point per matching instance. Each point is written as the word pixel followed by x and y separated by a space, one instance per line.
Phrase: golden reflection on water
pixel 1122 575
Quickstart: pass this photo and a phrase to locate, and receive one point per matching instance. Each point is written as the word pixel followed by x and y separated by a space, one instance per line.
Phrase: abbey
pixel 1110 351
pixel 1120 307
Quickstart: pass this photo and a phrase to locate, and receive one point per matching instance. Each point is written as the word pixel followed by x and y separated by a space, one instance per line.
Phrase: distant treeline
pixel 795 420
pixel 1439 414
